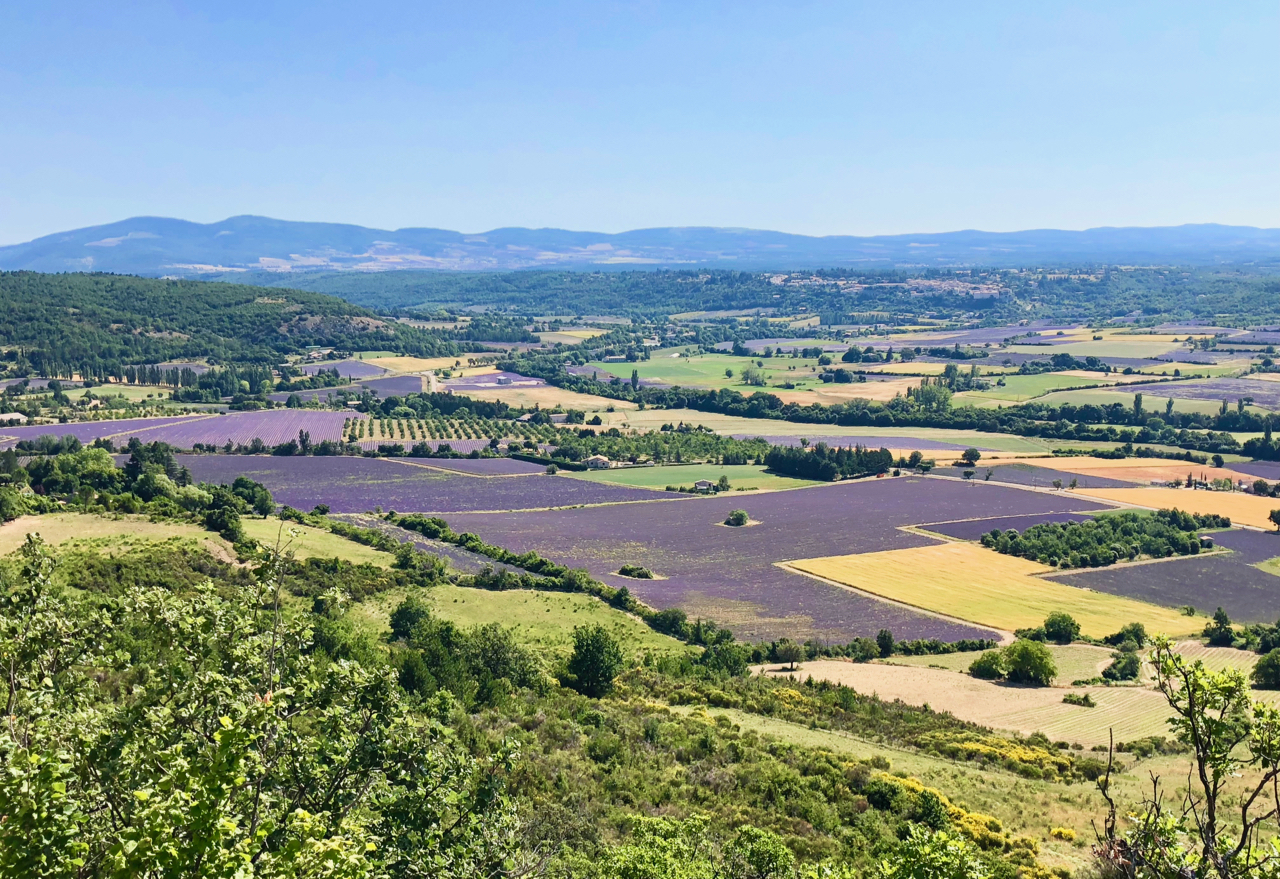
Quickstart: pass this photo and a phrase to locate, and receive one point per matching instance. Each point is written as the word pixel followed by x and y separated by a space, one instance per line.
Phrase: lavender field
pixel 1205 582
pixel 120 429
pixel 463 560
pixel 352 369
pixel 483 466
pixel 272 426
pixel 730 574
pixel 1264 393
pixel 357 485
pixel 1036 477
pixel 1262 469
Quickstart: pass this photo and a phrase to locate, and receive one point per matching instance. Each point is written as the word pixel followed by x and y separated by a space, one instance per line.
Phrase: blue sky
pixel 817 118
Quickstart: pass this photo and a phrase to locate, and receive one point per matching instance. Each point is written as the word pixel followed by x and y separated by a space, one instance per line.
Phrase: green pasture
pixel 746 476
pixel 1019 388
pixel 1153 400
pixel 306 542
pixel 542 620
pixel 652 419
pixel 707 370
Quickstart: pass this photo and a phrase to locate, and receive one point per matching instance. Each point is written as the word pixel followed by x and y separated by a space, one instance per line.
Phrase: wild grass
pixel 543 621
pixel 57 528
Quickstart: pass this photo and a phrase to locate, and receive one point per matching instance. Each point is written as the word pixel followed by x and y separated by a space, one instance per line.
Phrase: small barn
pixel 704 485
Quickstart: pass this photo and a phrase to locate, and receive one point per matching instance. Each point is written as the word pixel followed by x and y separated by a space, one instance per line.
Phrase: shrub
pixel 1084 700
pixel 1135 632
pixel 1266 674
pixel 636 572
pixel 989 666
pixel 1125 667
pixel 1029 662
pixel 1219 631
pixel 737 518
pixel 1066 834
pixel 1061 628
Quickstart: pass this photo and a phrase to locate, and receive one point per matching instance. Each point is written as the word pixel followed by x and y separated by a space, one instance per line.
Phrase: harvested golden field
pixel 568 337
pixel 881 392
pixel 968 582
pixel 1142 470
pixel 416 364
pixel 1132 712
pixel 1075 662
pixel 1243 509
pixel 1218 658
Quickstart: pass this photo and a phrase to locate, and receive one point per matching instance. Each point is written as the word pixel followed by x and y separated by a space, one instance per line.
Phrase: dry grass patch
pixel 968 582
pixel 1132 712
pixel 56 528
pixel 1142 470
pixel 881 392
pixel 416 364
pixel 1219 658
pixel 1243 509
pixel 1075 662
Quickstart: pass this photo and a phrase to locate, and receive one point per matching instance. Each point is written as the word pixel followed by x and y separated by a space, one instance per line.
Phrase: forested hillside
pixel 836 295
pixel 56 321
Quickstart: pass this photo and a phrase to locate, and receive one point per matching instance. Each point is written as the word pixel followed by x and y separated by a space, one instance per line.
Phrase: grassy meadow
pixel 745 476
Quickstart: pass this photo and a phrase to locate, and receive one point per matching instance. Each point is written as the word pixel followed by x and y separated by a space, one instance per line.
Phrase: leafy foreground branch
pixel 1220 828
pixel 156 734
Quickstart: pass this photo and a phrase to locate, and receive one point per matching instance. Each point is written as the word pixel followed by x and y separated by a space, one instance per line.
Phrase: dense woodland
pixel 96 324
pixel 839 295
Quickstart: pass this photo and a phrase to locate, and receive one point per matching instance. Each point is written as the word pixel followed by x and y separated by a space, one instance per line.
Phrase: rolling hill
pixel 249 245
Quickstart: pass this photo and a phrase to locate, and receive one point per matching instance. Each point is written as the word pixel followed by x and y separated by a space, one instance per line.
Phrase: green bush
pixel 989 666
pixel 737 518
pixel 1125 667
pixel 1061 628
pixel 1266 674
pixel 1029 662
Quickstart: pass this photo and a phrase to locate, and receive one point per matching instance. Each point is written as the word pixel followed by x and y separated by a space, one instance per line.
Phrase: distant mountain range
pixel 161 246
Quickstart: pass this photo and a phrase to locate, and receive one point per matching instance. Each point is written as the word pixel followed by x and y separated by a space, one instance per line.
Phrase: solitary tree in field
pixel 884 640
pixel 1274 516
pixel 737 518
pixel 789 652
pixel 970 456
